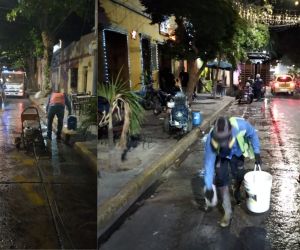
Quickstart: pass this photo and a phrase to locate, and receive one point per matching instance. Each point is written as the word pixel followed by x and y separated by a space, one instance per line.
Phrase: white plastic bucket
pixel 258 187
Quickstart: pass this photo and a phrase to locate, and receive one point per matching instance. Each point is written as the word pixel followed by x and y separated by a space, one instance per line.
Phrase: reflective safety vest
pixel 57 98
pixel 244 144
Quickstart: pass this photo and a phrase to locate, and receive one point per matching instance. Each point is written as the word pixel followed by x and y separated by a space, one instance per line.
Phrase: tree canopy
pixel 208 28
pixel 38 24
pixel 203 26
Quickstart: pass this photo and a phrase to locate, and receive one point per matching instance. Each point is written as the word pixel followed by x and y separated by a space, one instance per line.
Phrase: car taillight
pixel 292 84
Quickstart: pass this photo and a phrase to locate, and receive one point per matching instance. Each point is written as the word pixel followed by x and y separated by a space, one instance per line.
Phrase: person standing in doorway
pixel 56 107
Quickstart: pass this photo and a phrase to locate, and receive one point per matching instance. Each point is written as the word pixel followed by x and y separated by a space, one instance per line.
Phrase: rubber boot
pixel 237 193
pixel 226 204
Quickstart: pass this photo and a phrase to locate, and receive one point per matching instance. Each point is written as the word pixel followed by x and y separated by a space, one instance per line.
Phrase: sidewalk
pixel 87 149
pixel 118 189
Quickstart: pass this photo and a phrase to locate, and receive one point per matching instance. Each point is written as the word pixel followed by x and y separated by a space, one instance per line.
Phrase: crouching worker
pixel 228 143
pixel 56 107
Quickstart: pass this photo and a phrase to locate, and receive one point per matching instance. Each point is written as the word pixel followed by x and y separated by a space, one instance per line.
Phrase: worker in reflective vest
pixel 227 144
pixel 56 107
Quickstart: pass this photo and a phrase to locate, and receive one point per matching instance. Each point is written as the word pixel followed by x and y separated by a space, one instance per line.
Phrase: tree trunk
pixel 194 74
pixel 48 43
pixel 110 140
pixel 31 73
pixel 215 77
pixel 110 131
pixel 193 78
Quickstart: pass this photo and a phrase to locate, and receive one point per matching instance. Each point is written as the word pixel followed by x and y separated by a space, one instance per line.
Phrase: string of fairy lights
pixel 266 15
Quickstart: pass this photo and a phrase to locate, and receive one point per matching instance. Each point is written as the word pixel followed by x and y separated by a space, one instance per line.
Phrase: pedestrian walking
pixel 228 143
pixel 56 107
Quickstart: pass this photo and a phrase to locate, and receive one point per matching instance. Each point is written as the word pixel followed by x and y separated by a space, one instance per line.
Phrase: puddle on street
pixel 283 223
pixel 282 144
pixel 26 215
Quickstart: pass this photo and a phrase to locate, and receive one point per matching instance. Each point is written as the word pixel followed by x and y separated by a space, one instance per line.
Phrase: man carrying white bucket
pixel 227 144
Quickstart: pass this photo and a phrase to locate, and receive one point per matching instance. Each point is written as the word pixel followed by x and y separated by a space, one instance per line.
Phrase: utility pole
pixel 95 72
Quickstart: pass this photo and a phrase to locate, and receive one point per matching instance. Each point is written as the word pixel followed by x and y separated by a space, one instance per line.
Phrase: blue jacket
pixel 211 154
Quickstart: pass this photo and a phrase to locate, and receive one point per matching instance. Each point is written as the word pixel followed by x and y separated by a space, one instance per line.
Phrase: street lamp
pixel 296 3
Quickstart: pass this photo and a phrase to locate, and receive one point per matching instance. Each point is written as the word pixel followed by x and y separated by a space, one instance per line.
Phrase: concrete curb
pixel 113 208
pixel 90 158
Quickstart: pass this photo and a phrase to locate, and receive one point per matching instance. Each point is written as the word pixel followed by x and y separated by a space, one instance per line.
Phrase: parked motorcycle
pixel 164 97
pixel 160 103
pixel 246 96
pixel 179 115
pixel 149 96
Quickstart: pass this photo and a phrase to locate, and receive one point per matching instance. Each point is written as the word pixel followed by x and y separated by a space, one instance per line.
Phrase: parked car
pixel 283 84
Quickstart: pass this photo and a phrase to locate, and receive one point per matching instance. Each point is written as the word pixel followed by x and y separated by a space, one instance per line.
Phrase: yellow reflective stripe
pixel 232 141
pixel 234 122
pixel 245 147
pixel 214 143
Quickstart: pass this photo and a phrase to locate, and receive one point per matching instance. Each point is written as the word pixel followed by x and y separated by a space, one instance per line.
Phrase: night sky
pixel 287 44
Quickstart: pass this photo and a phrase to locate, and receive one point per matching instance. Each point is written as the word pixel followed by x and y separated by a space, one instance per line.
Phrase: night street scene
pixel 48 130
pixel 198 125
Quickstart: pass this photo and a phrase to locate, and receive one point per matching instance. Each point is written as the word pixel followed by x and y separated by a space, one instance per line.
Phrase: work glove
pixel 209 194
pixel 257 159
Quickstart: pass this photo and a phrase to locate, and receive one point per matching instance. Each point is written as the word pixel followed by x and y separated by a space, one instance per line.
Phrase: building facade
pixel 129 44
pixel 72 67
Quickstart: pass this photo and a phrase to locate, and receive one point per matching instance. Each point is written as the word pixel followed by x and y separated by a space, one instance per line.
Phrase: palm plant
pixel 126 104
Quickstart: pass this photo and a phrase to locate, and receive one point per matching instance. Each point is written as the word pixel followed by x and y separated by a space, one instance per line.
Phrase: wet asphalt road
pixel 49 204
pixel 173 216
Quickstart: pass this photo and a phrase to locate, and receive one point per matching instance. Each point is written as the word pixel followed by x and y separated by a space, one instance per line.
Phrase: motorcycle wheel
pixel 157 109
pixel 148 104
pixel 167 125
pixel 189 125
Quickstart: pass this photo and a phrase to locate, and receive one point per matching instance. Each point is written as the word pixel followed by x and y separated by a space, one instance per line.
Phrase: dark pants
pixel 258 93
pixel 236 165
pixel 59 111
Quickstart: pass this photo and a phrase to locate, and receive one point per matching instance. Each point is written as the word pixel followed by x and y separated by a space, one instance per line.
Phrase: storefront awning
pixel 223 65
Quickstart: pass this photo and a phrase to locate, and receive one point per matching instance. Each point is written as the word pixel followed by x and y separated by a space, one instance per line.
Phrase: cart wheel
pixel 23 141
pixel 18 142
